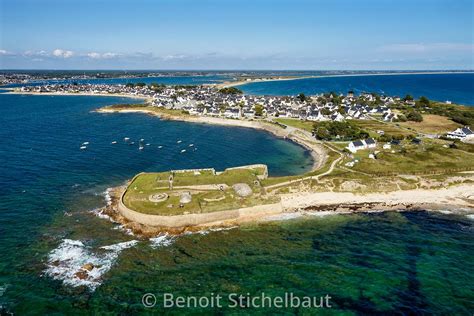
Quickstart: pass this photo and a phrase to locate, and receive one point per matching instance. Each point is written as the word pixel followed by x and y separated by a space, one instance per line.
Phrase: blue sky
pixel 230 34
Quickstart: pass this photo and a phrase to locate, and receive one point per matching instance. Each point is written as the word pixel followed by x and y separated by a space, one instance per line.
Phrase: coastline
pixel 301 203
pixel 317 151
pixel 455 199
pixel 119 95
pixel 228 84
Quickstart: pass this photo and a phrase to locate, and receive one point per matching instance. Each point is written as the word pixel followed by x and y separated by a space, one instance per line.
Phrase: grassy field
pixel 432 124
pixel 372 126
pixel 429 157
pixel 207 199
pixel 304 125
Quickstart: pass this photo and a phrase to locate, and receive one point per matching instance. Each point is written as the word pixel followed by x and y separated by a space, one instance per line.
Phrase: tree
pixel 230 90
pixel 338 130
pixel 408 97
pixel 424 101
pixel 326 111
pixel 401 118
pixel 258 110
pixel 414 116
pixel 301 97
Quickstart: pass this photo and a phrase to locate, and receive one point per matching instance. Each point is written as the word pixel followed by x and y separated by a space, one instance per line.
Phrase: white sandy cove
pixel 459 196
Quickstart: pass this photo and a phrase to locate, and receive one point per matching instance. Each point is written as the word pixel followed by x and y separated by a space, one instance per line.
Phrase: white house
pixel 361 144
pixel 461 133
pixel 232 113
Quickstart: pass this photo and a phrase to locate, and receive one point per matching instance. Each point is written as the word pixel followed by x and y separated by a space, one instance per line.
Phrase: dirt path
pixel 307 137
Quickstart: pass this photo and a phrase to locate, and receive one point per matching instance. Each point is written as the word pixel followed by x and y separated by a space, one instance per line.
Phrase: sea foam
pixel 162 240
pixel 66 263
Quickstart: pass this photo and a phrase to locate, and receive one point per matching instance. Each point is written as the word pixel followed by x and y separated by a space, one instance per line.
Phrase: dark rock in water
pixel 84 272
pixel 88 266
pixel 81 274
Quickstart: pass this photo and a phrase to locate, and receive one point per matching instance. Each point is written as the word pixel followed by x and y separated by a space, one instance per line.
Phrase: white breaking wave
pixel 99 212
pixel 122 228
pixel 68 262
pixel 210 230
pixel 163 240
pixel 470 216
pixel 445 212
pixel 108 198
pixel 3 289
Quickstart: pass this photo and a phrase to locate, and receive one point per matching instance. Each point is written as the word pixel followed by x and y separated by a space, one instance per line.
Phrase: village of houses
pixel 207 100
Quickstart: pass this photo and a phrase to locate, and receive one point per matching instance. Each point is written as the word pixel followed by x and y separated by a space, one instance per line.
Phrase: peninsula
pixel 372 152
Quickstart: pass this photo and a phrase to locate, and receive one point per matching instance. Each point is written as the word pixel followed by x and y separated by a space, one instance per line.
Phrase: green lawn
pixel 203 200
pixel 304 125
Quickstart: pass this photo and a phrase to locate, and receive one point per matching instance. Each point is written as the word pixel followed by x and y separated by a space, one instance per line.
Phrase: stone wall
pixel 197 219
pixel 265 169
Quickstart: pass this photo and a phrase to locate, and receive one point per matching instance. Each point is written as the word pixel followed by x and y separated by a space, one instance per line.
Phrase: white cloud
pixel 174 57
pixel 39 53
pixel 110 55
pixel 427 48
pixel 95 55
pixel 62 53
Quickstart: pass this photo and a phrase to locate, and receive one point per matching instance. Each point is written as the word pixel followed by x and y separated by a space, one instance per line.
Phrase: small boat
pixel 85 143
pixel 179 141
pixel 160 146
pixel 141 139
pixel 131 143
pixel 191 145
pixel 114 142
pixel 147 144
pixel 141 147
pixel 126 139
pixel 184 150
pixel 83 147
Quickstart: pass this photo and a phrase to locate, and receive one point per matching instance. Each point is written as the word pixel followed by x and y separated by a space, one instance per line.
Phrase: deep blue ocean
pixel 50 191
pixel 458 88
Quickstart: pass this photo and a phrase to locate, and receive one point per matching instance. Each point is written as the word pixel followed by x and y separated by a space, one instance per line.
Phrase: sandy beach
pixel 460 196
pixel 456 199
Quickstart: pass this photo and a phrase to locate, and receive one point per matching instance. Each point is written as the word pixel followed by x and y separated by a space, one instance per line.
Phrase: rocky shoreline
pixel 456 199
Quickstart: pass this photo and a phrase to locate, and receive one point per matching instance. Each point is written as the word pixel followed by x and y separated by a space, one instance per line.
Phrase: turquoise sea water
pixel 44 173
pixel 458 88
pixel 384 263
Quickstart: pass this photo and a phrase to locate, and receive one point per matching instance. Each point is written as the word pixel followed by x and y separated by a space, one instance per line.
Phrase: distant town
pixel 231 103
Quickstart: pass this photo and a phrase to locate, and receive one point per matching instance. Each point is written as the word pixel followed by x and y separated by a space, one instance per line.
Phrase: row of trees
pixel 338 131
pixel 230 90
